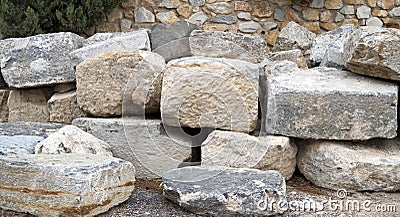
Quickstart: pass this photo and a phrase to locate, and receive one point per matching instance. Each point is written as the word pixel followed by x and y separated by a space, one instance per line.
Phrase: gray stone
pixel 226 191
pixel 228 45
pixel 167 17
pixel 197 2
pixel 40 60
pixel 71 139
pixel 278 67
pixel 3 105
pixel 100 37
pixel 126 25
pixel 196 92
pixel 63 88
pixel 63 107
pixel 249 27
pixel 372 165
pixel 395 12
pixel 240 150
pixel 220 7
pixel 331 42
pixel 65 184
pixel 363 12
pixel 269 25
pixel 294 36
pixel 165 39
pixel 317 3
pixel 330 104
pixel 28 129
pixel 339 17
pixel 365 53
pixel 244 16
pixel 170 4
pixel 198 18
pixel 114 82
pixel 347 10
pixel 28 105
pixel 137 40
pixel 290 55
pixel 226 19
pixel 374 21
pixel 142 15
pixel 145 143
pixel 19 144
pixel 279 15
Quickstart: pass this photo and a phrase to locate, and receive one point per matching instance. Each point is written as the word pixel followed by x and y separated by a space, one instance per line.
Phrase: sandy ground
pixel 147 200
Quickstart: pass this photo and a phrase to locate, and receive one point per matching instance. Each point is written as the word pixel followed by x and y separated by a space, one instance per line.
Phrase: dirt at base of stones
pixel 147 200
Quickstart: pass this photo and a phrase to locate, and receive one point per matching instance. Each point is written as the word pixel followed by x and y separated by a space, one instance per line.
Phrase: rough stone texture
pixel 167 17
pixel 142 15
pixel 71 139
pixel 290 55
pixel 28 128
pixel 137 40
pixel 224 19
pixel 64 185
pixel 100 37
pixel 3 105
pixel 372 165
pixel 227 45
pixel 240 150
pixel 374 21
pixel 208 92
pixel 18 144
pixel 311 14
pixel 294 36
pixel 170 4
pixel 63 107
pixel 197 2
pixel 395 12
pixel 329 47
pixel 63 88
pixel 385 4
pixel 374 51
pixel 38 60
pixel 249 27
pixel 171 41
pixel 111 82
pixel 333 4
pixel 330 104
pixel 262 9
pixel 220 8
pixel 347 10
pixel 244 16
pixel 371 3
pixel 226 191
pixel 198 18
pixel 28 105
pixel 145 143
pixel 317 3
pixel 279 15
pixel 363 12
pixel 185 10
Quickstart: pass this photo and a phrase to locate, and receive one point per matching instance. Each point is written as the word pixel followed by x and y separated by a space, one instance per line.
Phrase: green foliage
pixel 21 18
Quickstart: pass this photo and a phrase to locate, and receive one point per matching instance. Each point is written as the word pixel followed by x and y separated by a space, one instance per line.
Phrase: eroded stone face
pixel 145 143
pixel 227 45
pixel 223 191
pixel 374 51
pixel 63 107
pixel 330 104
pixel 70 139
pixel 40 60
pixel 64 185
pixel 294 36
pixel 120 82
pixel 240 150
pixel 205 92
pixel 372 165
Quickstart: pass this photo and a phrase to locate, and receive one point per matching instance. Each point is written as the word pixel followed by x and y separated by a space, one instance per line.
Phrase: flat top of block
pixel 329 80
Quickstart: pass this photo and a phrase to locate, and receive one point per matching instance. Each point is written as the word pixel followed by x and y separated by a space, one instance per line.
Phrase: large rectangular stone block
pixel 145 143
pixel 326 103
pixel 65 184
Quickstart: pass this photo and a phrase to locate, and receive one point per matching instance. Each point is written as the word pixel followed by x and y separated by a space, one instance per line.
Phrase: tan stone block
pixel 333 4
pixel 311 14
pixel 28 105
pixel 130 4
pixel 242 6
pixel 271 38
pixel 185 10
pixel 220 27
pixel 291 15
pixel 262 9
pixel 351 21
pixel 325 16
pixel 3 105
pixel 371 3
pixel 329 26
pixel 312 26
pixel 108 27
pixel 353 2
pixel 115 15
pixel 386 4
pixel 379 13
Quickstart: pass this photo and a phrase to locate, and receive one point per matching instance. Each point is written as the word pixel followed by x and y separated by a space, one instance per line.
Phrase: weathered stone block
pixel 64 185
pixel 291 55
pixel 228 45
pixel 120 82
pixel 28 105
pixel 240 150
pixel 71 139
pixel 294 36
pixel 3 105
pixel 208 92
pixel 372 165
pixel 145 143
pixel 63 107
pixel 19 144
pixel 374 51
pixel 39 60
pixel 330 104
pixel 136 40
pixel 224 191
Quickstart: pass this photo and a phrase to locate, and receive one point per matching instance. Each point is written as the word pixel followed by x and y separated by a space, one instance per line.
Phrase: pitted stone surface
pixel 223 191
pixel 330 104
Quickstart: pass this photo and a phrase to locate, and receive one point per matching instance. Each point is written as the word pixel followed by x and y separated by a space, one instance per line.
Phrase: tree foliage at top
pixel 21 18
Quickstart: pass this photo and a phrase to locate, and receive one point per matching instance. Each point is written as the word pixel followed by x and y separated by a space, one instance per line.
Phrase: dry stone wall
pixel 261 17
